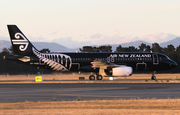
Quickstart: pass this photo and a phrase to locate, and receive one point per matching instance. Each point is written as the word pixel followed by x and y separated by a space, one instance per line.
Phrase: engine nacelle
pixel 122 71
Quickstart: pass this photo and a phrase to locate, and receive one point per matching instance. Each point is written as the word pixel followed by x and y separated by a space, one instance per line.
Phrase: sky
pixel 76 23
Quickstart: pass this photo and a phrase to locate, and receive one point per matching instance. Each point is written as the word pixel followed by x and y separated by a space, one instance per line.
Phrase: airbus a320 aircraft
pixel 99 64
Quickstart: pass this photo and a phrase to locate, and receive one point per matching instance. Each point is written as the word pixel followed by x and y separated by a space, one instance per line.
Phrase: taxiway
pixel 86 91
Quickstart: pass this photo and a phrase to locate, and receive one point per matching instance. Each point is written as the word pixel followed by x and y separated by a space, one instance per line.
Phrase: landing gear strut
pixel 153 76
pixel 98 77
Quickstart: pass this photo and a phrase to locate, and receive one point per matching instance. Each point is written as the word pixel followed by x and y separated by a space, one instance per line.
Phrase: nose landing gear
pixel 153 76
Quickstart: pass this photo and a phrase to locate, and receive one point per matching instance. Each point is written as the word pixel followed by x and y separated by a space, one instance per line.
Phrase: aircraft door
pixel 110 59
pixel 155 59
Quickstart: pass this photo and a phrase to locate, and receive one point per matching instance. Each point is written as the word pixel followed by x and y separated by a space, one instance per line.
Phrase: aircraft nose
pixel 173 63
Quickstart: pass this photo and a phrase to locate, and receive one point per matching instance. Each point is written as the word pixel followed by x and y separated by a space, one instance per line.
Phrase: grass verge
pixel 116 106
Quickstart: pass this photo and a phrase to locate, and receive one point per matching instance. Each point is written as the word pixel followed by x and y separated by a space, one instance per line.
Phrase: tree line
pixel 10 67
pixel 142 48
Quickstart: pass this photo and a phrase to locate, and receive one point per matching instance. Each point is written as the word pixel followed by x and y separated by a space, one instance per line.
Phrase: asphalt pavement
pixel 86 91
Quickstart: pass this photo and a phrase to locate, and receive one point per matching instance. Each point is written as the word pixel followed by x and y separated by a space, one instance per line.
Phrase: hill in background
pixel 55 47
pixel 175 42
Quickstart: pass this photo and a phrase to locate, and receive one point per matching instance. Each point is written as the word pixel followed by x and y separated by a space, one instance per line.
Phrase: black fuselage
pixel 139 61
pixel 122 63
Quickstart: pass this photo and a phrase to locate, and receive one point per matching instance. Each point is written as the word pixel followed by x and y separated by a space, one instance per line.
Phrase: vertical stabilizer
pixel 21 45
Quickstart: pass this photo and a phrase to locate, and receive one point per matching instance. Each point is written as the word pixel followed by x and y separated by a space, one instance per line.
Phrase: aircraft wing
pixel 114 69
pixel 103 64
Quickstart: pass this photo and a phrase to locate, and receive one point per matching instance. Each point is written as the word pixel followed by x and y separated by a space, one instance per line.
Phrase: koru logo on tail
pixel 22 42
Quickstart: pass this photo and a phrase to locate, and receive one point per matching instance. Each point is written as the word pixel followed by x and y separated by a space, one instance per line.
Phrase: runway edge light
pixel 111 78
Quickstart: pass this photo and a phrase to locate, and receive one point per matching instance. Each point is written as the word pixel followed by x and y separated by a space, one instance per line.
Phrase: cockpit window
pixel 166 58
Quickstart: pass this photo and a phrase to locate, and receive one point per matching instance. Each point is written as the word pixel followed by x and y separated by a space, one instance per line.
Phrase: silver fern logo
pixel 58 62
pixel 22 42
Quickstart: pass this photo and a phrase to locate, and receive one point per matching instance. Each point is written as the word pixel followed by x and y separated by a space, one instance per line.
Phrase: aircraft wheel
pixel 99 77
pixel 153 77
pixel 91 77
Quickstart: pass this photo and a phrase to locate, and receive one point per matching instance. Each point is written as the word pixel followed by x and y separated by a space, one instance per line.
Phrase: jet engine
pixel 122 71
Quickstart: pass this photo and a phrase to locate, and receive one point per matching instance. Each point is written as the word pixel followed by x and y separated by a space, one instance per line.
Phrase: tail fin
pixel 21 45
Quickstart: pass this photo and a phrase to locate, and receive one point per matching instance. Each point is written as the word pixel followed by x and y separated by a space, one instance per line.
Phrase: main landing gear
pixel 153 76
pixel 98 77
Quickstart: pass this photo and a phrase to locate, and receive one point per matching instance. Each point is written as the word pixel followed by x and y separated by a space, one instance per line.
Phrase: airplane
pixel 100 64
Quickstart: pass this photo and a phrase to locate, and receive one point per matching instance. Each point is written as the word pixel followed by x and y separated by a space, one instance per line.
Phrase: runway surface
pixel 87 91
